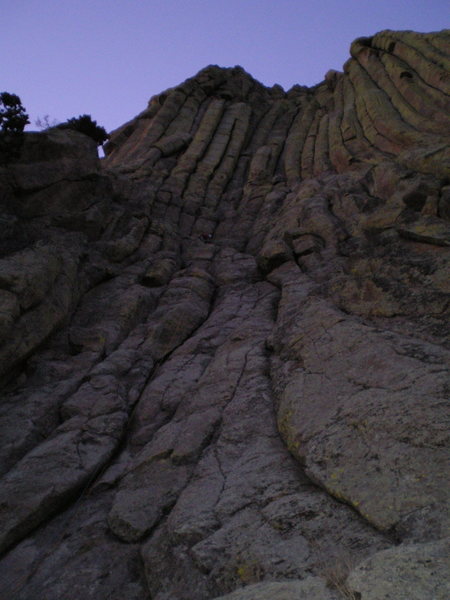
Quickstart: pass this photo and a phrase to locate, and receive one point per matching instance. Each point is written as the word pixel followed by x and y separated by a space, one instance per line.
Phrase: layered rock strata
pixel 224 348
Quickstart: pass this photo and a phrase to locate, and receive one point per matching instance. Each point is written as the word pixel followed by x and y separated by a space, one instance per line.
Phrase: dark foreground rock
pixel 224 350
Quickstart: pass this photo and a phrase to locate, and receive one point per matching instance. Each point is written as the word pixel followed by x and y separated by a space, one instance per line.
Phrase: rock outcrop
pixel 224 347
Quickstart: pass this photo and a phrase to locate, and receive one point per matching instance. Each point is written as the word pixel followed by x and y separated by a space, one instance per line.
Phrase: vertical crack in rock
pixel 224 347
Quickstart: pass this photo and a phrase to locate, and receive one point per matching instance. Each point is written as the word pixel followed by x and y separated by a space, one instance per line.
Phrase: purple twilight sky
pixel 108 57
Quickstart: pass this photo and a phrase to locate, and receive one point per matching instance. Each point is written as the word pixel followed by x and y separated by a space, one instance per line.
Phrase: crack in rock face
pixel 224 347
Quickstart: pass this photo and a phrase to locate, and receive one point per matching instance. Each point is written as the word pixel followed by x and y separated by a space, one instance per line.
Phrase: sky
pixel 107 58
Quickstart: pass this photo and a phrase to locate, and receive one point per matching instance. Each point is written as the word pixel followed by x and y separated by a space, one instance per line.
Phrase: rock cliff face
pixel 223 349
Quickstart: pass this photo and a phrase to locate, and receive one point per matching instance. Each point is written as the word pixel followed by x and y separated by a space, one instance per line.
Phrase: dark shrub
pixel 13 119
pixel 85 124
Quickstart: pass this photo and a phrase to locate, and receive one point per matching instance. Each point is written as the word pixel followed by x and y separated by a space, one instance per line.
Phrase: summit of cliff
pixel 224 347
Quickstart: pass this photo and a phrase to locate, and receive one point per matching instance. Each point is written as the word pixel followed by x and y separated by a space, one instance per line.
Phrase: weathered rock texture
pixel 223 350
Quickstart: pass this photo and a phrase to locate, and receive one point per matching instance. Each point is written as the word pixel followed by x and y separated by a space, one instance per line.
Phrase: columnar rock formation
pixel 223 350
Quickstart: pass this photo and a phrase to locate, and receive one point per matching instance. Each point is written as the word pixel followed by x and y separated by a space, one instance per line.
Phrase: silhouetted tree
pixel 13 119
pixel 85 124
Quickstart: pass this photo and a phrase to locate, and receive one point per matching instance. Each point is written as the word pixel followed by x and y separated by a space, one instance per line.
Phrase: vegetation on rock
pixel 13 119
pixel 45 122
pixel 85 124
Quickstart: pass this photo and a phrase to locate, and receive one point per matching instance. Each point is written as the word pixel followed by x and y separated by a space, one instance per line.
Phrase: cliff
pixel 224 347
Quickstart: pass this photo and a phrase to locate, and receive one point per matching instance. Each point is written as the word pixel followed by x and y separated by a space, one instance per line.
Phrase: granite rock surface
pixel 224 357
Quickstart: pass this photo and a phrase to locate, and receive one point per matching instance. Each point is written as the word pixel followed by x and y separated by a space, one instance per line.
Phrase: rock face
pixel 224 350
